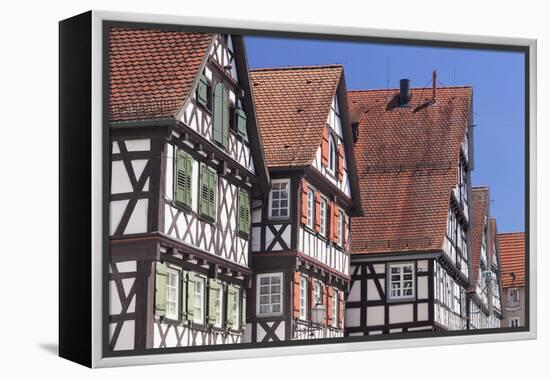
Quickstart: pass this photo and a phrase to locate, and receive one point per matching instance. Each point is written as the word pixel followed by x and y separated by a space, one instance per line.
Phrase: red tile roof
pixel 407 159
pixel 293 104
pixel 480 205
pixel 512 258
pixel 152 71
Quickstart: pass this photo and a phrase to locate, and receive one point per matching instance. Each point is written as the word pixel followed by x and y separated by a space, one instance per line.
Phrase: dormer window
pixel 332 151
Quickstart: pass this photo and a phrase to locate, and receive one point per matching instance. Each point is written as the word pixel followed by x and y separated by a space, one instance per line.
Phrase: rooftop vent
pixel 404 92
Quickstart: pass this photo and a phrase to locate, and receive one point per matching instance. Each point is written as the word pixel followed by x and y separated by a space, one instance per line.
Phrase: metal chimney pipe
pixel 404 91
pixel 434 86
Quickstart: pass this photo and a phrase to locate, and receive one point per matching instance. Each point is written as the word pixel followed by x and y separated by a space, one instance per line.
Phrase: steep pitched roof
pixel 480 205
pixel 152 71
pixel 407 160
pixel 512 258
pixel 293 104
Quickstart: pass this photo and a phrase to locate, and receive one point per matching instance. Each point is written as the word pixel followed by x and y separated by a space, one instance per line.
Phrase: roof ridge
pixel 412 88
pixel 282 68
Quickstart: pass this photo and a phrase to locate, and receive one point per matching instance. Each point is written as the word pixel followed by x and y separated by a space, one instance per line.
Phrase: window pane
pixel 275 279
pixel 264 280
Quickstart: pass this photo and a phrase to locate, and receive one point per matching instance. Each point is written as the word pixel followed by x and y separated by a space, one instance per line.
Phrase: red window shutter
pixel 324 147
pixel 317 211
pixel 296 294
pixel 340 161
pixel 329 305
pixel 341 308
pixel 303 212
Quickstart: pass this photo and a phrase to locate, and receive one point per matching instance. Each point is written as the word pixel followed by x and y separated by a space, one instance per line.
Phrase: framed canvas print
pixel 237 189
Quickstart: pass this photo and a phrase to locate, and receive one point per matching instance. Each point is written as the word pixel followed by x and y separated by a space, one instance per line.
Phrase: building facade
pixel 300 232
pixel 512 250
pixel 410 252
pixel 186 163
pixel 484 307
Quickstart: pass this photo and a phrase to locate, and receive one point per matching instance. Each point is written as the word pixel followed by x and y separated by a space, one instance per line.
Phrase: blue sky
pixel 497 78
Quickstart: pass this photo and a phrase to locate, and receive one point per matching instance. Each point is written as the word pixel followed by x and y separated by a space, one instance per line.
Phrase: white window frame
pixel 341 220
pixel 258 289
pixel 236 308
pixel 323 216
pixel 516 301
pixel 335 312
pixel 202 301
pixel 311 208
pixel 513 320
pixel 401 266
pixel 271 216
pixel 317 293
pixel 219 306
pixel 171 272
pixel 332 154
pixel 303 297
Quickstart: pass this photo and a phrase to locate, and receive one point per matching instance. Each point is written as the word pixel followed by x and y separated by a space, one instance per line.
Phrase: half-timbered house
pixel 186 162
pixel 300 233
pixel 410 251
pixel 484 308
pixel 512 258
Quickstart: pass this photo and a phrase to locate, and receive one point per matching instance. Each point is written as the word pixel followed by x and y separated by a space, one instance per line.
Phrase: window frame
pixel 340 227
pixel 310 208
pixel 304 294
pixel 323 217
pixel 202 279
pixel 219 310
pixel 516 301
pixel 317 292
pixel 258 295
pixel 270 205
pixel 177 273
pixel 401 265
pixel 235 326
pixel 332 154
pixel 335 307
pixel 512 320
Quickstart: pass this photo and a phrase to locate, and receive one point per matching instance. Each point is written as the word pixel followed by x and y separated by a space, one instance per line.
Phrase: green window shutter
pixel 212 195
pixel 190 295
pixel 221 114
pixel 243 309
pixel 202 91
pixel 208 193
pixel 243 215
pixel 160 289
pixel 183 296
pixel 182 182
pixel 241 123
pixel 230 300
pixel 213 286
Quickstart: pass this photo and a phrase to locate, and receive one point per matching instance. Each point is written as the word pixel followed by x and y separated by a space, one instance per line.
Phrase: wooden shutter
pixel 303 212
pixel 329 305
pixel 324 299
pixel 202 90
pixel 212 188
pixel 243 309
pixel 324 147
pixel 317 211
pixel 182 182
pixel 296 294
pixel 340 308
pixel 243 216
pixel 230 301
pixel 190 295
pixel 160 289
pixel 340 161
pixel 183 295
pixel 241 122
pixel 221 114
pixel 207 204
pixel 213 286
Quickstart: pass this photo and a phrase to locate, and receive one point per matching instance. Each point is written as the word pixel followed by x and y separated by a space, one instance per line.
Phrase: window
pixel 243 215
pixel 514 322
pixel 340 230
pixel 317 296
pixel 218 306
pixel 310 208
pixel 172 292
pixel 513 297
pixel 204 92
pixel 198 296
pixel 335 308
pixel 183 172
pixel 323 216
pixel 207 202
pixel 278 199
pixel 402 281
pixel 332 155
pixel 303 297
pixel 269 293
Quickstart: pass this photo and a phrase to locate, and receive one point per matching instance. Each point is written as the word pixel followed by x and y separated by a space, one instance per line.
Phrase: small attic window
pixel 332 154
